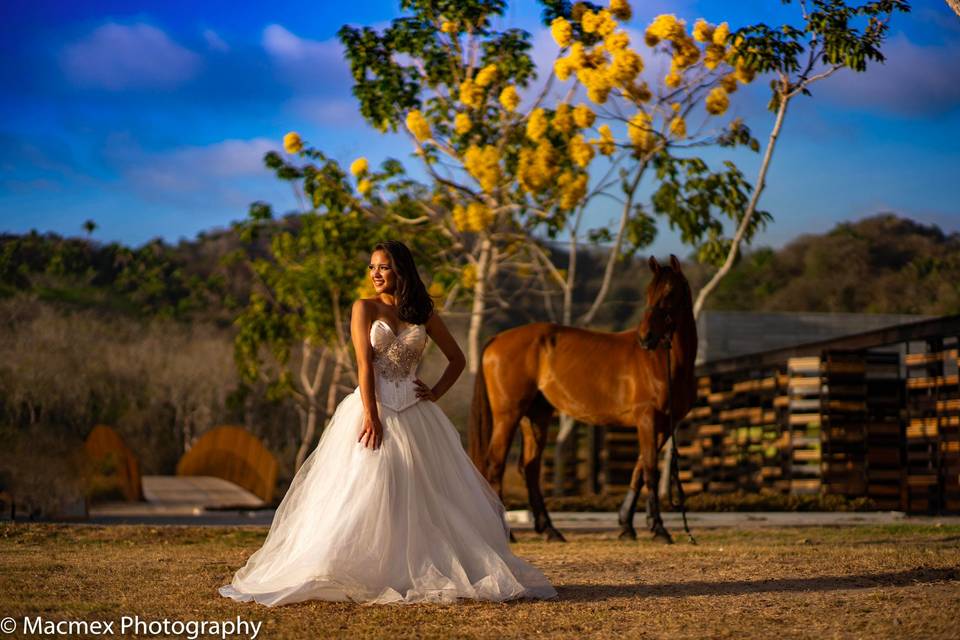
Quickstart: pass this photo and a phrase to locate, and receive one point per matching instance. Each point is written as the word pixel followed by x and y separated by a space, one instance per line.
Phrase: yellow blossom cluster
pixel 638 92
pixel 600 23
pixel 703 31
pixel 720 34
pixel 359 166
pixel 562 32
pixel 640 130
pixel 616 42
pixel 448 26
pixel 474 217
pixel 729 82
pixel 717 101
pixel 572 189
pixel 584 116
pixel 486 76
pixel 743 73
pixel 435 290
pixel 537 167
pixel 678 126
pixel 625 66
pixel 292 143
pixel 580 151
pixel 605 144
pixel 418 125
pixel 607 65
pixel 598 83
pixel 462 123
pixel 483 163
pixel 365 187
pixel 471 94
pixel 509 98
pixel 665 27
pixel 686 53
pixel 621 9
pixel 713 56
pixel 537 124
pixel 468 277
pixel 563 121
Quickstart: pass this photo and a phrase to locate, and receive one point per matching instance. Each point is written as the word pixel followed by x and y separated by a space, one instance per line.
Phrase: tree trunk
pixel 748 214
pixel 307 436
pixel 311 389
pixel 476 312
pixel 587 318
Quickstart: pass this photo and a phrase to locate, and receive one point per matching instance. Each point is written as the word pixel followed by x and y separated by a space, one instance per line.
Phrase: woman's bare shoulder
pixel 365 306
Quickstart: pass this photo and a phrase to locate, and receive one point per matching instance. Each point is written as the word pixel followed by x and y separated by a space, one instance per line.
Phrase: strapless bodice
pixel 395 360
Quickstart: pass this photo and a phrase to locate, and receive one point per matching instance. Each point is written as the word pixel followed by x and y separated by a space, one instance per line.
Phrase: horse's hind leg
pixel 534 441
pixel 504 427
pixel 629 506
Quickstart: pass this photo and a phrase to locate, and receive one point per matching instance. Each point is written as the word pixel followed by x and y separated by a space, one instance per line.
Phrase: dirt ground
pixel 841 582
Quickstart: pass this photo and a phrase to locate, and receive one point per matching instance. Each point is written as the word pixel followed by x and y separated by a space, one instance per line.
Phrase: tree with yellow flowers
pixel 513 164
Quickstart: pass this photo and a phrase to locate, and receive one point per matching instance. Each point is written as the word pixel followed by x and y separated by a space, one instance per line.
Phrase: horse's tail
pixel 481 419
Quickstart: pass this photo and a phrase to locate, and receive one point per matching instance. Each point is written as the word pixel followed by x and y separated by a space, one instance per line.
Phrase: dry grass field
pixel 854 582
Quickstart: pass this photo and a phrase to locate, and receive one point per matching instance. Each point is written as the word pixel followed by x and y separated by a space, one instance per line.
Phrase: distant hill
pixel 879 264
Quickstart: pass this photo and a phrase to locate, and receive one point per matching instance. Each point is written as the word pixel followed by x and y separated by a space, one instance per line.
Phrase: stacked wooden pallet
pixel 573 464
pixel 618 457
pixel 803 424
pixel 929 389
pixel 843 419
pixel 725 442
pixel 689 445
pixel 884 433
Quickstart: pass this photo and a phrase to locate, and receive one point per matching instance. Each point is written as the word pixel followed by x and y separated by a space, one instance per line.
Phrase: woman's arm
pixel 437 330
pixel 361 317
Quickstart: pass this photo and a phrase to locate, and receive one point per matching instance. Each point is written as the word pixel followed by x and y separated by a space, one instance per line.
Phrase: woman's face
pixel 382 275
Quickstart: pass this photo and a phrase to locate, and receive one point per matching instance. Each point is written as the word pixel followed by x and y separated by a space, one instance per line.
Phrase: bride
pixel 389 507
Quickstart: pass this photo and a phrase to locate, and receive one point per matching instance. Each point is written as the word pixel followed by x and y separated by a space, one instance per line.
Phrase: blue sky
pixel 152 118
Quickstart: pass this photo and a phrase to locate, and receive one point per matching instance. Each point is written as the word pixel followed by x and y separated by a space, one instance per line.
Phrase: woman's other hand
pixel 372 434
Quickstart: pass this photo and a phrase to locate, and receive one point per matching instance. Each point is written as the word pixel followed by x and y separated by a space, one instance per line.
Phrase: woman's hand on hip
pixel 424 392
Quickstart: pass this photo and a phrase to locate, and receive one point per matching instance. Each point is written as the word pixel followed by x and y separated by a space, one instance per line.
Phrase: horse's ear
pixel 674 263
pixel 654 265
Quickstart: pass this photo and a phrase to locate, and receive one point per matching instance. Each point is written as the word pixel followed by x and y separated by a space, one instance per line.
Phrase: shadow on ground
pixel 600 592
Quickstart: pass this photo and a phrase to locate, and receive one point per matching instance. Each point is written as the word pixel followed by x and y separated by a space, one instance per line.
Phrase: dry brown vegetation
pixel 876 581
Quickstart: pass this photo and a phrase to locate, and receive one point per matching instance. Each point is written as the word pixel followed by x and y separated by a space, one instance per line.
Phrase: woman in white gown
pixel 389 507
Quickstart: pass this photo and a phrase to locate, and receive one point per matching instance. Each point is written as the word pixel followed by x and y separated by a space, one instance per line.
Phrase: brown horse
pixel 595 377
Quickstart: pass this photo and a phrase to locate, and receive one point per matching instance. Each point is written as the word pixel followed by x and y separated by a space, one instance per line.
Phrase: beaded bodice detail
pixel 395 360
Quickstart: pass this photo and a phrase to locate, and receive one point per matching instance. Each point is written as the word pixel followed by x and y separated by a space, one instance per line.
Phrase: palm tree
pixel 89 226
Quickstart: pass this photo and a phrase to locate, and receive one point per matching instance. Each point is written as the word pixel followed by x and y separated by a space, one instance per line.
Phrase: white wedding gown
pixel 409 522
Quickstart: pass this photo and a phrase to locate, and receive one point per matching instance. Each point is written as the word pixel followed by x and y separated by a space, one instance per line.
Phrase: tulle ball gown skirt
pixel 413 521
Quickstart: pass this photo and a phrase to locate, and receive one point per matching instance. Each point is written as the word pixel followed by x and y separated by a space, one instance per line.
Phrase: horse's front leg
pixel 651 476
pixel 629 506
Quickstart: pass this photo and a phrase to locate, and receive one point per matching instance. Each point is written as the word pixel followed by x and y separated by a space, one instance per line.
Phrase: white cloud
pixel 118 57
pixel 214 41
pixel 915 80
pixel 286 46
pixel 188 169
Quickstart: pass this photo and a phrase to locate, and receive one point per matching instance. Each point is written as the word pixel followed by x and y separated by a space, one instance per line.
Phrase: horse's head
pixel 668 300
